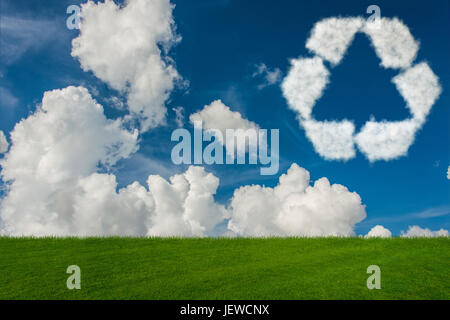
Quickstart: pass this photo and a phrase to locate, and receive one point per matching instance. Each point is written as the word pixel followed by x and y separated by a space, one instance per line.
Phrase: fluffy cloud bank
pixel 396 48
pixel 183 206
pixel 295 208
pixel 68 137
pixel 121 46
pixel 416 231
pixel 3 143
pixel 55 188
pixel 379 232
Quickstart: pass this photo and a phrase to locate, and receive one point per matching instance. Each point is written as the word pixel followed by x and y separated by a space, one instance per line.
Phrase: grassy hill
pixel 274 268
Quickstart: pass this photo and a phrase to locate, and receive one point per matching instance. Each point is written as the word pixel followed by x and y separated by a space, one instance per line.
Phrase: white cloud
pixel 308 78
pixel 379 232
pixel 121 46
pixel 218 117
pixel 332 140
pixel 65 139
pixel 420 88
pixel 294 208
pixel 448 173
pixel 55 189
pixel 331 37
pixel 305 84
pixel 185 206
pixel 270 77
pixel 386 140
pixel 416 231
pixel 391 39
pixel 393 42
pixel 389 140
pixel 3 143
pixel 67 136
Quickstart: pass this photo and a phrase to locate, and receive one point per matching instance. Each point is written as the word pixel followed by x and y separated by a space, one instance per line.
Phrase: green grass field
pixel 129 268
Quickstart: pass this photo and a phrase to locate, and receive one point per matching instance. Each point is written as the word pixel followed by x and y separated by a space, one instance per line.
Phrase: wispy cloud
pixel 8 100
pixel 179 116
pixel 269 76
pixel 20 35
pixel 435 212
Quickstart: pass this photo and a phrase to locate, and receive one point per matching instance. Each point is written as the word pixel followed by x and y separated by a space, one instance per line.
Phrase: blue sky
pixel 222 42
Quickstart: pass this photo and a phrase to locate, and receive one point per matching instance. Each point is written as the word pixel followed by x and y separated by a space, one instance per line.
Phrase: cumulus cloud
pixel 295 208
pixel 448 173
pixel 270 77
pixel 416 231
pixel 3 143
pixel 219 117
pixel 308 78
pixel 55 186
pixel 379 232
pixel 66 138
pixel 122 47
pixel 183 206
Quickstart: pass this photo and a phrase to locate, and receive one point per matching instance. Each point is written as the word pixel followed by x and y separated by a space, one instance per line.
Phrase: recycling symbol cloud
pixel 397 49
